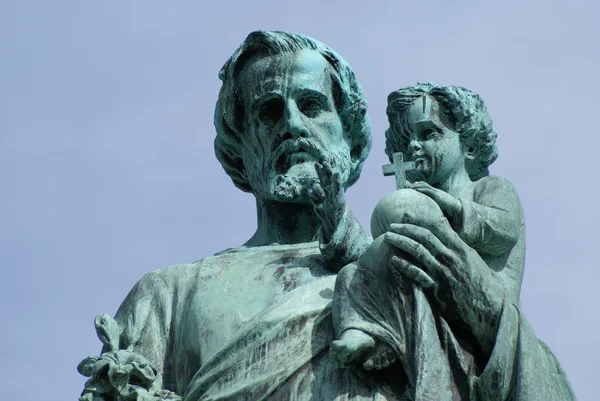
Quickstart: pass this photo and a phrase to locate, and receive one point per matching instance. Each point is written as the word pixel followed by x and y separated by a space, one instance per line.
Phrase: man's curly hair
pixel 230 114
pixel 460 110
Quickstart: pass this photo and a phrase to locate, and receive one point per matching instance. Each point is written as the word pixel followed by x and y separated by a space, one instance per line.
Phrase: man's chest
pixel 234 290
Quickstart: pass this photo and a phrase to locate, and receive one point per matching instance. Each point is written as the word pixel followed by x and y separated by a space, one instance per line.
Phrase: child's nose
pixel 414 146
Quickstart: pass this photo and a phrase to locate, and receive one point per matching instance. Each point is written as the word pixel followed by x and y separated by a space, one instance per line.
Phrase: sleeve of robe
pixel 491 223
pixel 521 367
pixel 347 244
pixel 145 317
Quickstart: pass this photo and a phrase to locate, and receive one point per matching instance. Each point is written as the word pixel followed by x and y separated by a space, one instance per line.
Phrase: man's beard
pixel 293 185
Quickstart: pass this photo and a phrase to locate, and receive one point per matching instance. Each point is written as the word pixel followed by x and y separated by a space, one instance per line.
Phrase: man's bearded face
pixel 291 122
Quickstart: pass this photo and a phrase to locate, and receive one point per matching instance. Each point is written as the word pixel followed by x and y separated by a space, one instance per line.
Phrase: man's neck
pixel 284 223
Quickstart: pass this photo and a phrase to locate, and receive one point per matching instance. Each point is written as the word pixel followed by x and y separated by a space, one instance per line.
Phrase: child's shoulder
pixel 494 186
pixel 493 182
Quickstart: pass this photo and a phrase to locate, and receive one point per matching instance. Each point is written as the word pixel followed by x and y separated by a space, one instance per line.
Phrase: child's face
pixel 436 149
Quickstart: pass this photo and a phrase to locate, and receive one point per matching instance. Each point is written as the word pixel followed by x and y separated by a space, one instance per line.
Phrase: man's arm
pixel 135 347
pixel 342 239
pixel 347 243
pixel 521 367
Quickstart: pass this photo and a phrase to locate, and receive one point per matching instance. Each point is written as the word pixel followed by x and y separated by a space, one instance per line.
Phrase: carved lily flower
pixel 95 368
pixel 129 368
pixel 108 331
pixel 120 373
pixel 117 369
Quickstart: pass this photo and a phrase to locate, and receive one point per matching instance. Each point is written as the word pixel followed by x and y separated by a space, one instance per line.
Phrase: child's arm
pixel 489 223
pixel 342 239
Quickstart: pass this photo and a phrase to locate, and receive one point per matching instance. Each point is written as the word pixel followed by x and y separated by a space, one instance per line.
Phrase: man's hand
pixel 450 205
pixel 327 197
pixel 466 289
pixel 121 374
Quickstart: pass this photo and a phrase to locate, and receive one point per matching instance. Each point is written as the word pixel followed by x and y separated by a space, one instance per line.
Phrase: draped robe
pixel 254 323
pixel 440 355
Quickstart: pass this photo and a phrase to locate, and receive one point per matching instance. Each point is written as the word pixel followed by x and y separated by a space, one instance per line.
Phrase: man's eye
pixel 311 107
pixel 429 134
pixel 271 111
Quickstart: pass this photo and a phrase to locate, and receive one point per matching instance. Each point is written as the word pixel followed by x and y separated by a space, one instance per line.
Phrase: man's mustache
pixel 288 147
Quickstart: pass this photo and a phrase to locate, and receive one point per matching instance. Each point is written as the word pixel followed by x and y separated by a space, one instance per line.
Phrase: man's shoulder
pixel 176 272
pixel 171 272
pixel 232 258
pixel 165 278
pixel 184 270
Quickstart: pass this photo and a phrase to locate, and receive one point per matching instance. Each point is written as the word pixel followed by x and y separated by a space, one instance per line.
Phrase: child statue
pixel 385 310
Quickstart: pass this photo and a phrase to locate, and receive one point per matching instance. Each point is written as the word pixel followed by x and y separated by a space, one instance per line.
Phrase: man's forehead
pixel 303 69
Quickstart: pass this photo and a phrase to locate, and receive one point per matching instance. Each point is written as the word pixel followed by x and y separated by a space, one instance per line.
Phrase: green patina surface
pixel 312 307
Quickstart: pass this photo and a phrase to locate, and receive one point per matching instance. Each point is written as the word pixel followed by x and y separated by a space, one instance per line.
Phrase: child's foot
pixel 381 358
pixel 353 345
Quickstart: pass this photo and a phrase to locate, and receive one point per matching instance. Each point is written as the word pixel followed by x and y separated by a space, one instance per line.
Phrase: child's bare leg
pixel 353 346
pixel 383 357
pixel 403 206
pixel 362 287
pixel 357 283
pixel 356 346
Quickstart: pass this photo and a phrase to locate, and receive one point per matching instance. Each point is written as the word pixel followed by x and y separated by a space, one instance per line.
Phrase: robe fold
pixel 442 359
pixel 218 330
pixel 255 323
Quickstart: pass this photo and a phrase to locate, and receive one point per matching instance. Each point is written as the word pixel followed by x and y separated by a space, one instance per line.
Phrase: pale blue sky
pixel 107 168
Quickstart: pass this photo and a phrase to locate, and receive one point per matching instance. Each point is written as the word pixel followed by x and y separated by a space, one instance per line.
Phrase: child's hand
pixel 327 197
pixel 451 206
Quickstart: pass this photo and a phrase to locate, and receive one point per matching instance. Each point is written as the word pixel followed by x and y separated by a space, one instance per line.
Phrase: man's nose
pixel 414 146
pixel 294 123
